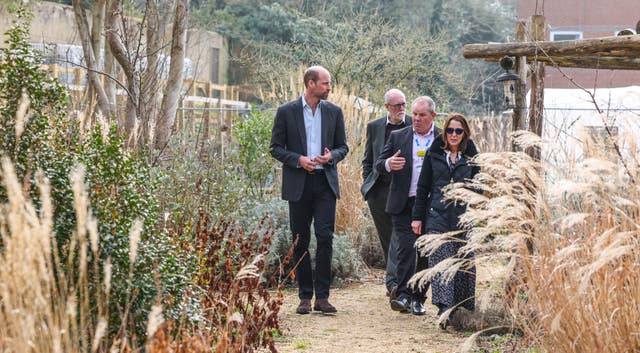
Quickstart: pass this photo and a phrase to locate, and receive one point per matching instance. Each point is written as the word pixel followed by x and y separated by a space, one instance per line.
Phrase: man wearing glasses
pixel 375 186
pixel 401 159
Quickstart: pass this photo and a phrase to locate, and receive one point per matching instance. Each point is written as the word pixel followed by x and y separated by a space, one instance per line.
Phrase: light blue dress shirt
pixel 313 130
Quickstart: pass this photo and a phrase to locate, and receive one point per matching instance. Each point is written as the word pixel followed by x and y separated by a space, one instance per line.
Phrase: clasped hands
pixel 309 164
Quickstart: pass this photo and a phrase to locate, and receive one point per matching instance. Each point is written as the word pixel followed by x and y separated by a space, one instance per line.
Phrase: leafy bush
pixel 187 183
pixel 253 134
pixel 122 191
pixel 36 134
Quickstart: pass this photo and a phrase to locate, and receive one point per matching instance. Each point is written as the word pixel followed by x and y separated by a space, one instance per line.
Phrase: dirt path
pixel 364 324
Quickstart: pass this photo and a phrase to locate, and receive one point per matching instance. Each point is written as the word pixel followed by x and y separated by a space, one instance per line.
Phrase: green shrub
pixel 187 183
pixel 35 132
pixel 121 190
pixel 253 135
pixel 119 185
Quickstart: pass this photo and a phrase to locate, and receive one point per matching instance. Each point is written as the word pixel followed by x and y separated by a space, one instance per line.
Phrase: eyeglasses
pixel 451 130
pixel 399 105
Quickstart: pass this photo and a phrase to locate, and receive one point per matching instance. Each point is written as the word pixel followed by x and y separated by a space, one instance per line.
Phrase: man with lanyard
pixel 402 158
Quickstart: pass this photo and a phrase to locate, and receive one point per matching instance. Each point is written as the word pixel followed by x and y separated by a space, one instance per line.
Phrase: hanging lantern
pixel 509 81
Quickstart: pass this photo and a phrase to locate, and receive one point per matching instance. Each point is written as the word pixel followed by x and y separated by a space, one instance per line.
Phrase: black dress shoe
pixel 401 304
pixel 417 308
pixel 392 293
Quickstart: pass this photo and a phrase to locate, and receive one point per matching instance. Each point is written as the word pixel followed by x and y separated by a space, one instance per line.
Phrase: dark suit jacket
pixel 373 147
pixel 289 142
pixel 400 180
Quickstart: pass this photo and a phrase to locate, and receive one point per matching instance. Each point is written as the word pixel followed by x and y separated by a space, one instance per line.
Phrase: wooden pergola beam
pixel 585 62
pixel 622 46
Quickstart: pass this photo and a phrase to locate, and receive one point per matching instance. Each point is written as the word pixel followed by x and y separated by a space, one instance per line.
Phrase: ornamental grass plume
pixel 44 308
pixel 48 306
pixel 571 234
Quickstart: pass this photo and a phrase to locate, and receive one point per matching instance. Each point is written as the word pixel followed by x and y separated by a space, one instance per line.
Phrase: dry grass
pixel 48 306
pixel 572 241
pixel 45 309
pixel 491 133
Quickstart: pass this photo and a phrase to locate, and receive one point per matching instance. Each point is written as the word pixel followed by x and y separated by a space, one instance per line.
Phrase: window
pixel 565 35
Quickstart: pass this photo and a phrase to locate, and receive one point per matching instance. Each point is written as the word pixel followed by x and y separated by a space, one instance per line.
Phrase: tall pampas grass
pixel 570 232
pixel 47 306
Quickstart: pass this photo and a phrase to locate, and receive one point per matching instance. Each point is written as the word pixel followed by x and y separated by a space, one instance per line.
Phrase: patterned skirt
pixel 459 291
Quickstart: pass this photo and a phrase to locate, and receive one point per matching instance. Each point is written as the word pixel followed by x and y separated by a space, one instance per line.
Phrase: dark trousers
pixel 377 201
pixel 318 204
pixel 408 260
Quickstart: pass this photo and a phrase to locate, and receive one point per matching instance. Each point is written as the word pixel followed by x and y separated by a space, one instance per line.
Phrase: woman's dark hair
pixel 465 126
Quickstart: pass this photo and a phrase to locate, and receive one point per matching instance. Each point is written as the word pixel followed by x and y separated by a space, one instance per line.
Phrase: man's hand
pixel 396 162
pixel 417 227
pixel 325 158
pixel 307 163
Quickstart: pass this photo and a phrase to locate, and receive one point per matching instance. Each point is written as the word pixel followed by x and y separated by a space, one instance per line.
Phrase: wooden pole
pixel 586 62
pixel 517 122
pixel 536 98
pixel 224 128
pixel 178 125
pixel 622 46
pixel 206 122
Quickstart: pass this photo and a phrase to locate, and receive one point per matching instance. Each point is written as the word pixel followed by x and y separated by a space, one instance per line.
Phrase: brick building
pixel 584 19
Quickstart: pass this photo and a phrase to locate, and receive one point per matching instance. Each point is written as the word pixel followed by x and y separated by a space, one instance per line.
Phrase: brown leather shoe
pixel 324 306
pixel 304 307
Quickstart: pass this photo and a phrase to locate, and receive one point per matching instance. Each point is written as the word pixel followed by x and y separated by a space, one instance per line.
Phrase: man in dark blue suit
pixel 375 186
pixel 402 158
pixel 309 138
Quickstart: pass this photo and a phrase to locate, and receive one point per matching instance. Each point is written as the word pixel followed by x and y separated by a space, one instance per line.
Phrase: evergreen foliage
pixel 38 135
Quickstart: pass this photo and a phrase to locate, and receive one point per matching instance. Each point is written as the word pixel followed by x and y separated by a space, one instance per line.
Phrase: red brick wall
pixel 594 19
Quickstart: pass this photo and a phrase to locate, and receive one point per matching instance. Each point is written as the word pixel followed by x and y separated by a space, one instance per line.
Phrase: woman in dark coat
pixel 447 162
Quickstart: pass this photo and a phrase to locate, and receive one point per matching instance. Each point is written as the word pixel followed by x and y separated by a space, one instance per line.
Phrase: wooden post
pixel 536 98
pixel 206 121
pixel 517 122
pixel 178 125
pixel 188 119
pixel 223 128
pixel 207 89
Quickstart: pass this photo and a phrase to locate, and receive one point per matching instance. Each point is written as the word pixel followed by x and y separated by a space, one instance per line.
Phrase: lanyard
pixel 421 153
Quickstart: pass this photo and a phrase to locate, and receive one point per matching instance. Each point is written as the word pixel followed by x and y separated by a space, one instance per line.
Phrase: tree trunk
pixel 150 87
pixel 127 126
pixel 97 25
pixel 169 106
pixel 88 51
pixel 110 64
pixel 520 88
